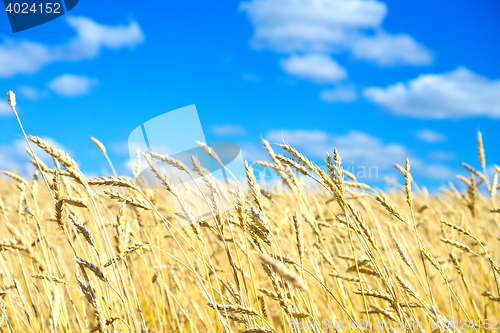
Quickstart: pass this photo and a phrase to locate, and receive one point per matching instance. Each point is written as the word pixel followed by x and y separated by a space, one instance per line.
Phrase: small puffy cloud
pixel 457 94
pixel 442 155
pixel 23 56
pixel 433 171
pixel 430 136
pixel 92 37
pixel 72 85
pixel 388 50
pixel 339 94
pixel 5 109
pixel 310 25
pixel 440 172
pixel 120 148
pixel 228 130
pixel 29 92
pixel 315 67
pixel 314 141
pixel 252 152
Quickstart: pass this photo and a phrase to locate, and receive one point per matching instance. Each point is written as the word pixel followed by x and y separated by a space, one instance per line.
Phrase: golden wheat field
pixel 105 255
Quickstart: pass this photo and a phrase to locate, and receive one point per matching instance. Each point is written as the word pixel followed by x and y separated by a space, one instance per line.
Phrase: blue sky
pixel 378 80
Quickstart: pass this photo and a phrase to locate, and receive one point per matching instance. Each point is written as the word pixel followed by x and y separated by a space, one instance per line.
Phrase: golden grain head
pixel 104 254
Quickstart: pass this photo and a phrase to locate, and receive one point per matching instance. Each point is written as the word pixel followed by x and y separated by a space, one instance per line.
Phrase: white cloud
pixel 331 26
pixel 121 148
pixel 29 92
pixel 5 109
pixel 310 25
pixel 339 94
pixel 433 171
pixel 387 50
pixel 23 57
pixel 228 130
pixel 354 148
pixel 457 94
pixel 314 142
pixel 91 37
pixel 315 67
pixel 364 149
pixel 252 152
pixel 72 85
pixel 430 136
pixel 15 157
pixel 442 155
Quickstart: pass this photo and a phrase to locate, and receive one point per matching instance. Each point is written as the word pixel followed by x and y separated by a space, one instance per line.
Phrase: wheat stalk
pixel 129 200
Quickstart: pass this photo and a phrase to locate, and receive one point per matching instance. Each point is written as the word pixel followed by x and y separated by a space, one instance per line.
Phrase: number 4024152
pixel 24 8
